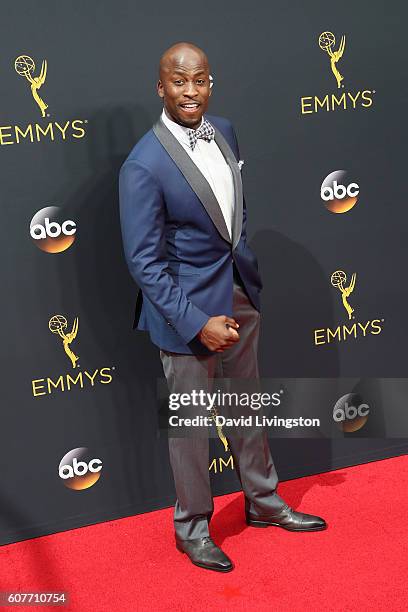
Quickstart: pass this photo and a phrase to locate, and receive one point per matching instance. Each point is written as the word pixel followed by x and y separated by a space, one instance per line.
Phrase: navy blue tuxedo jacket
pixel 176 243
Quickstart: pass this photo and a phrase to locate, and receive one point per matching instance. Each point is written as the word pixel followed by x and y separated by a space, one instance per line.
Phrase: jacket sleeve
pixel 142 218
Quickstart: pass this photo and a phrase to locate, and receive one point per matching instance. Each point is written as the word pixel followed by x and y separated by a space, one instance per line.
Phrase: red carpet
pixel 359 563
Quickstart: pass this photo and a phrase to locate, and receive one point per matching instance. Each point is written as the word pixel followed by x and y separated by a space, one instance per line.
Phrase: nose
pixel 190 89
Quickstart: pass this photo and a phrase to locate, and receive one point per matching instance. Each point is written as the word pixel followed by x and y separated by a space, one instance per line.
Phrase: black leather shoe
pixel 204 553
pixel 288 519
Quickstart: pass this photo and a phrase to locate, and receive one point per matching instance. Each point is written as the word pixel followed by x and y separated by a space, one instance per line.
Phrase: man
pixel 183 221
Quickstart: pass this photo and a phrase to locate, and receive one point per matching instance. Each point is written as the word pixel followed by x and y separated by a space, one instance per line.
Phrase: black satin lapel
pixel 193 176
pixel 236 175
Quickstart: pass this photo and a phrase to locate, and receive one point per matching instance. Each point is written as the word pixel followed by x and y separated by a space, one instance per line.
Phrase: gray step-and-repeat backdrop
pixel 315 91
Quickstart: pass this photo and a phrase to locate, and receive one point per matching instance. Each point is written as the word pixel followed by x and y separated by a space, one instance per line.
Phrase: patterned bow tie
pixel 205 131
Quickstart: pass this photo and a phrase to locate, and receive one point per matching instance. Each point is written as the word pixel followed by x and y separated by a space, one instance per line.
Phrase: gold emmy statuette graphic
pixel 214 413
pixel 24 66
pixel 338 280
pixel 57 325
pixel 326 43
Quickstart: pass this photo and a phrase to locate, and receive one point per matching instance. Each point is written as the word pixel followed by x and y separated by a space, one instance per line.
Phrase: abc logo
pixel 349 413
pixel 79 470
pixel 50 231
pixel 338 193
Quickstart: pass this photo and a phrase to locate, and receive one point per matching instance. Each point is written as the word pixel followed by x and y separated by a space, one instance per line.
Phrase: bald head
pixel 184 83
pixel 182 54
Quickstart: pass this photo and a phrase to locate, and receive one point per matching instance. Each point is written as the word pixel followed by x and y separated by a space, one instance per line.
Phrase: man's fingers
pixel 222 347
pixel 227 342
pixel 231 321
pixel 233 335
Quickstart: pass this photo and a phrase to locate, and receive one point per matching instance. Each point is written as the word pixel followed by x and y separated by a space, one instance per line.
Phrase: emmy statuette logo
pixel 327 42
pixel 338 279
pixel 25 67
pixel 345 331
pixel 73 378
pixel 220 432
pixel 57 325
pixel 219 464
pixel 337 97
pixel 41 129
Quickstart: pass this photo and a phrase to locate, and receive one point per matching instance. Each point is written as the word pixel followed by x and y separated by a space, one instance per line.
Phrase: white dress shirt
pixel 212 164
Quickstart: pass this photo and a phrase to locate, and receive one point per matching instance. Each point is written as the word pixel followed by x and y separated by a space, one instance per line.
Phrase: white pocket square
pixel 240 164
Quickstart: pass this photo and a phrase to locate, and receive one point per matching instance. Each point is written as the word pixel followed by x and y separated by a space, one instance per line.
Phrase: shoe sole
pixel 214 569
pixel 263 524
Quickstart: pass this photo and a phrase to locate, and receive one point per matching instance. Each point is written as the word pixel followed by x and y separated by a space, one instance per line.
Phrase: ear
pixel 160 89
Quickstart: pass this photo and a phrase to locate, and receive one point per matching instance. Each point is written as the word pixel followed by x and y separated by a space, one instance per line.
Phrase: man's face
pixel 184 86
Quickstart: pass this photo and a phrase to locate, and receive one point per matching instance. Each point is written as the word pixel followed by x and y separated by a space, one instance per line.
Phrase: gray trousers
pixel 189 456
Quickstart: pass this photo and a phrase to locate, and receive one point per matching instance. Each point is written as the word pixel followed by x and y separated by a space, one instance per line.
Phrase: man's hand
pixel 219 333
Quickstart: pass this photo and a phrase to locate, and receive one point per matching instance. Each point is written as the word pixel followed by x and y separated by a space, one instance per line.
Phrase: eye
pixel 179 82
pixel 200 81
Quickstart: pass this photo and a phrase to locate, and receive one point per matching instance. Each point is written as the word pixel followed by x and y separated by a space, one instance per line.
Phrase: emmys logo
pixel 79 470
pixel 344 331
pixel 327 42
pixel 219 465
pixel 50 232
pixel 25 66
pixel 345 100
pixel 213 414
pixel 338 194
pixel 52 131
pixel 58 325
pixel 338 279
pixel 349 413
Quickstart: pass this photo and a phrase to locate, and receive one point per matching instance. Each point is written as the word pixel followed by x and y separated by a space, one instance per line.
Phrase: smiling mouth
pixel 190 107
